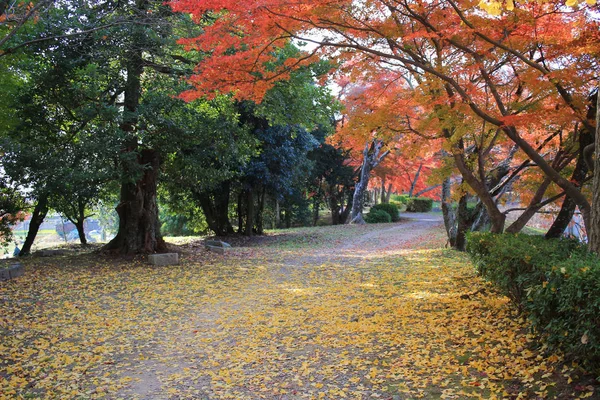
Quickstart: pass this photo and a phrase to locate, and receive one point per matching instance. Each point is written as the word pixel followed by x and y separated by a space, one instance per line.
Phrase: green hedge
pixel 400 198
pixel 391 209
pixel 555 283
pixel 377 216
pixel 419 204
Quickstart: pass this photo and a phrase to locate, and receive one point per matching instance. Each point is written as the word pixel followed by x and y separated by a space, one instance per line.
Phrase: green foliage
pixel 565 307
pixel 400 198
pixel 516 262
pixel 391 209
pixel 377 216
pixel 12 205
pixel 419 204
pixel 556 283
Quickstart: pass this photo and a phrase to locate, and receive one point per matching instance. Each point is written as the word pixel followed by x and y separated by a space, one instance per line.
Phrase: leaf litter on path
pixel 388 316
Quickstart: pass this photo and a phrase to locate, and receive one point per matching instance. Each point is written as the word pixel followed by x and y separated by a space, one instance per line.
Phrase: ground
pixel 380 311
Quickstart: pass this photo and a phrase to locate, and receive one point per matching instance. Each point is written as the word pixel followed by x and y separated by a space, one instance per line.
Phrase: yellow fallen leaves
pixel 266 328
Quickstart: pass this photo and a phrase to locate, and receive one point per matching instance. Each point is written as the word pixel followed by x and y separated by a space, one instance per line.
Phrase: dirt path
pixel 288 271
pixel 357 312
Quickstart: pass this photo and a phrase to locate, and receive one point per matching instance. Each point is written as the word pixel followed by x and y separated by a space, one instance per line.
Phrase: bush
pixel 565 308
pixel 516 262
pixel 377 216
pixel 391 209
pixel 400 198
pixel 556 283
pixel 419 204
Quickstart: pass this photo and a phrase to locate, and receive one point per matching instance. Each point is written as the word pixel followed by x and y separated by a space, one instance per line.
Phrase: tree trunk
pixel 371 159
pixel 240 211
pixel 277 214
pixel 287 217
pixel 383 190
pixel 80 221
pixel 81 231
pixel 316 207
pixel 39 213
pixel 497 219
pixel 249 212
pixel 532 208
pixel 260 211
pixel 139 227
pixel 215 206
pixel 413 184
pixel 448 212
pixel 594 225
pixel 388 194
pixel 463 224
pixel 567 210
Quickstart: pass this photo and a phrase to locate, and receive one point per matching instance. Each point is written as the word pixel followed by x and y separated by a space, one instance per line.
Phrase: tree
pixel 372 157
pixel 510 83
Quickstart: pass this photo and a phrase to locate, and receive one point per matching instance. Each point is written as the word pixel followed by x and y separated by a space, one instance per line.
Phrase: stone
pixel 50 253
pixel 4 274
pixel 164 259
pixel 217 246
pixel 16 270
pixel 217 249
pixel 217 243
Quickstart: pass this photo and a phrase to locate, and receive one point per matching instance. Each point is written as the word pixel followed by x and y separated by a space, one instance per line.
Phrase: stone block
pixel 218 249
pixel 164 259
pixel 16 270
pixel 217 243
pixel 50 253
pixel 4 274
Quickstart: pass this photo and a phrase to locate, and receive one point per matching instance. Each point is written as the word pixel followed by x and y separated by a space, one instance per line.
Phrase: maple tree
pixel 530 65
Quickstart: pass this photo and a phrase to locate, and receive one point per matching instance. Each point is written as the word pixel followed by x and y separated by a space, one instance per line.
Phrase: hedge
pixel 419 204
pixel 555 283
pixel 391 209
pixel 400 198
pixel 377 216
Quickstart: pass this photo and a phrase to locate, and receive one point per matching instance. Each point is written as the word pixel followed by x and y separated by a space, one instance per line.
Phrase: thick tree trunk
pixel 139 227
pixel 39 213
pixel 215 206
pixel 81 231
pixel 594 223
pixel 388 194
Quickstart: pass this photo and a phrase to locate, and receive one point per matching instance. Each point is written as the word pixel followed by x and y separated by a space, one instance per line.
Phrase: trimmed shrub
pixel 377 216
pixel 391 209
pixel 556 284
pixel 565 308
pixel 400 198
pixel 419 204
pixel 516 262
